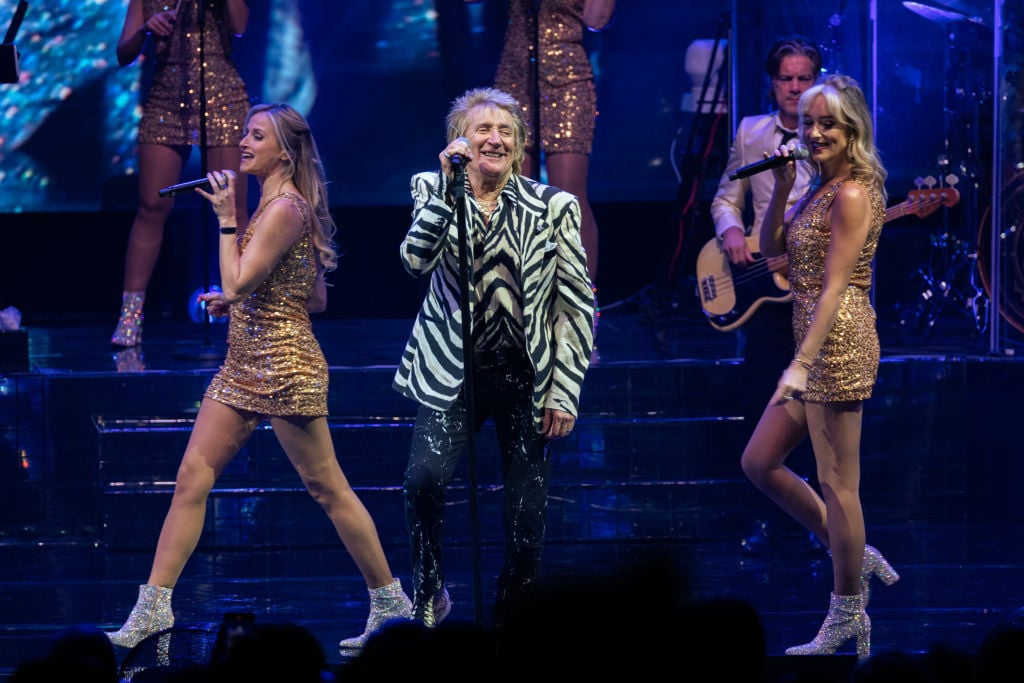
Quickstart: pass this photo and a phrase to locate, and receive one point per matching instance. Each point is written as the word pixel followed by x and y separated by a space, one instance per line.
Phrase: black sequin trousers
pixel 503 394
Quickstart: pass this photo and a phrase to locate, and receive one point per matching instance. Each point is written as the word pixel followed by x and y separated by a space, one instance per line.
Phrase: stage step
pixel 655 453
pixel 614 478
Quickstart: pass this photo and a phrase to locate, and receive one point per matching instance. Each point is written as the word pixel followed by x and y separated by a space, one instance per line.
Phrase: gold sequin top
pixel 274 364
pixel 566 79
pixel 847 366
pixel 171 112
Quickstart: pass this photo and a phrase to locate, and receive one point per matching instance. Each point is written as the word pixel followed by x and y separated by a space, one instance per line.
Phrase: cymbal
pixel 973 14
pixel 947 14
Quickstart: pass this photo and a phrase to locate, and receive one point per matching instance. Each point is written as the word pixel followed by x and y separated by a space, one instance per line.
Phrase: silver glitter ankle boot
pixel 846 619
pixel 875 565
pixel 152 613
pixel 129 325
pixel 386 603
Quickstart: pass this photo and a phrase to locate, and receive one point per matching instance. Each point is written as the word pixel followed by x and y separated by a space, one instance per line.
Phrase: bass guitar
pixel 730 294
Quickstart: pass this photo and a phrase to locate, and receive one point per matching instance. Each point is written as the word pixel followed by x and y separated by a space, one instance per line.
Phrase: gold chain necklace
pixel 487 208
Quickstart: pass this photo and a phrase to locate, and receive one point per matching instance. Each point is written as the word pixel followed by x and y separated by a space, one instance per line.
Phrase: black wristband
pixel 228 231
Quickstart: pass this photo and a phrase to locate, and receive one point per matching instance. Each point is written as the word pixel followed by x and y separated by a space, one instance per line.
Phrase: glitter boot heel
pixel 151 614
pixel 846 619
pixel 386 603
pixel 875 565
pixel 129 325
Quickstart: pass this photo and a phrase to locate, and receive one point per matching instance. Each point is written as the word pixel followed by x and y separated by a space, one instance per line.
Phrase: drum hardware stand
pixel 951 281
pixel 951 276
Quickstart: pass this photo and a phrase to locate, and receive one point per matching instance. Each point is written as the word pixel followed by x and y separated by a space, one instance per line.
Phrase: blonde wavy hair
pixel 306 170
pixel 847 104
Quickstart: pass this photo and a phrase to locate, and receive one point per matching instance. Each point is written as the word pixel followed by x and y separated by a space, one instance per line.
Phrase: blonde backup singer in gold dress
pixel 829 238
pixel 272 277
pixel 274 364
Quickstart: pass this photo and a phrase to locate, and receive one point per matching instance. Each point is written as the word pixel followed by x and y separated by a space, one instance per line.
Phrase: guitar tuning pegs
pixel 919 181
pixel 952 180
pixel 930 181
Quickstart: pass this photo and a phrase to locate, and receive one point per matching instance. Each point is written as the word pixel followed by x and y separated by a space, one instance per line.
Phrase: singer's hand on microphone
pixel 161 23
pixel 222 196
pixel 455 153
pixel 786 173
pixel 783 156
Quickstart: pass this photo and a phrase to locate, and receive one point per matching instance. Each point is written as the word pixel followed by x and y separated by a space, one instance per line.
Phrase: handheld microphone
pixel 172 190
pixel 798 152
pixel 458 161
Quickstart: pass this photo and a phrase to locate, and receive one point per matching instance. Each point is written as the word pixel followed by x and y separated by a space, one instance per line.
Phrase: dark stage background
pixel 375 78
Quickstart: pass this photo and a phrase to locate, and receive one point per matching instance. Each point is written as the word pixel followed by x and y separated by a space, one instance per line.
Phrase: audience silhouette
pixel 82 654
pixel 561 631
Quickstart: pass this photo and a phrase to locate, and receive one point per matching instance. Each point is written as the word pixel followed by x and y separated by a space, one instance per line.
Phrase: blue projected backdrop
pixel 375 78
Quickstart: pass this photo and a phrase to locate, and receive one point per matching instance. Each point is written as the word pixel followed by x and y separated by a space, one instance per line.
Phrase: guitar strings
pixel 924 205
pixel 761 266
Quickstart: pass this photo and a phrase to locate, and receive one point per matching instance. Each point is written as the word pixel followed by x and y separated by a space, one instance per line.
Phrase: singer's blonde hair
pixel 307 172
pixel 847 104
pixel 458 118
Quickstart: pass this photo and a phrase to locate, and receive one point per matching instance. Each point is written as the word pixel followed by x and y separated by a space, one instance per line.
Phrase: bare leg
pixel 218 435
pixel 569 172
pixel 307 441
pixel 529 167
pixel 778 432
pixel 835 431
pixel 159 166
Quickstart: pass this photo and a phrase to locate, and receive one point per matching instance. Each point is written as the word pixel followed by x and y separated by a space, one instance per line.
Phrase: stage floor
pixel 940 469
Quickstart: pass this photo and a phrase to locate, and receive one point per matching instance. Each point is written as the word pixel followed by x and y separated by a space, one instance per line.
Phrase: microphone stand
pixel 535 83
pixel 207 351
pixel 466 272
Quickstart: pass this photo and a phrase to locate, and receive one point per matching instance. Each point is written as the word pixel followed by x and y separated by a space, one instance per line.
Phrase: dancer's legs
pixel 219 433
pixel 159 166
pixel 780 429
pixel 308 444
pixel 569 171
pixel 835 430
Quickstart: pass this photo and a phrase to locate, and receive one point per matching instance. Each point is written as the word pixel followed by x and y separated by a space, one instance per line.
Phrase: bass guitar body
pixel 730 294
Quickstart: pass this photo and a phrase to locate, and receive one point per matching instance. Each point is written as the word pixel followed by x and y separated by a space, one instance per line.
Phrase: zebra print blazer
pixel 558 300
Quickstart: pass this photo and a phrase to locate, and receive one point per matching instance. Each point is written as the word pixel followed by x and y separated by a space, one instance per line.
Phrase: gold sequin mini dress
pixel 565 77
pixel 274 364
pixel 170 115
pixel 847 366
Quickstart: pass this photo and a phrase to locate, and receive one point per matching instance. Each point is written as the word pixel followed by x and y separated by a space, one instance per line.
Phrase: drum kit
pixel 955 277
pixel 949 11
